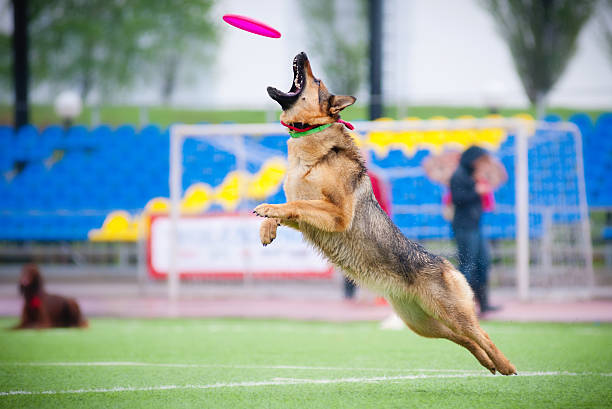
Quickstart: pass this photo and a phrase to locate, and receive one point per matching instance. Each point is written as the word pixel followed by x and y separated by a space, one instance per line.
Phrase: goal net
pixel 538 228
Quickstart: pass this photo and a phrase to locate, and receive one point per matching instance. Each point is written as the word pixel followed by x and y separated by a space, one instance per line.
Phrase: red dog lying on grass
pixel 42 310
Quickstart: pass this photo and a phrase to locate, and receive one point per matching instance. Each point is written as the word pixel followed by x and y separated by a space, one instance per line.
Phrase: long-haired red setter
pixel 42 310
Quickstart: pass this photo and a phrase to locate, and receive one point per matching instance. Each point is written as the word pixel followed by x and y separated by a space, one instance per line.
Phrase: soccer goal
pixel 539 227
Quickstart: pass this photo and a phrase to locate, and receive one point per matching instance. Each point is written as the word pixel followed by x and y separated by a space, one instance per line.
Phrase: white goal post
pixel 521 129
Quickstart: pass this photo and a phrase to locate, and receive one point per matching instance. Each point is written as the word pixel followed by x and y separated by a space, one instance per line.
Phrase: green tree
pixel 81 44
pixel 541 35
pixel 605 22
pixel 108 44
pixel 340 41
pixel 177 31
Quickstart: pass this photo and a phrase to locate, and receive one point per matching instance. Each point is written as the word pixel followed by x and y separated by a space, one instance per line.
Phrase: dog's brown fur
pixel 42 310
pixel 330 200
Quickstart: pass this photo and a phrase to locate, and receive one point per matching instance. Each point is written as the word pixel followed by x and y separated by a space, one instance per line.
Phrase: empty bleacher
pixel 59 184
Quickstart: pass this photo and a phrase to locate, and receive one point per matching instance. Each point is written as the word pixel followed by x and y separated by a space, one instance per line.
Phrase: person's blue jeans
pixel 473 254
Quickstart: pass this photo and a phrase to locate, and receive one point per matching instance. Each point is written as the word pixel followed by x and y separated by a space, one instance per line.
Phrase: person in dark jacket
pixel 471 245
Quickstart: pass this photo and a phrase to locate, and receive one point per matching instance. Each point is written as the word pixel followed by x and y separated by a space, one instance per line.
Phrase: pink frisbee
pixel 250 25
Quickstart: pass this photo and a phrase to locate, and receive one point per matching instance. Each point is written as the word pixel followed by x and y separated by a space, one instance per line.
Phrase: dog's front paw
pixel 270 210
pixel 507 368
pixel 267 231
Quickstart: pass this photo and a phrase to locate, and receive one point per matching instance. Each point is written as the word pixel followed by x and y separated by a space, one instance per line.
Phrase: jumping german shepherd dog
pixel 330 200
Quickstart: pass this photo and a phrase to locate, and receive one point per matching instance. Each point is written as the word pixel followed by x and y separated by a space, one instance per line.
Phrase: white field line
pixel 230 366
pixel 279 382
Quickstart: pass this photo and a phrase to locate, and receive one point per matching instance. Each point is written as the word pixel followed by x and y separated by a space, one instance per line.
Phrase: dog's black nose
pixel 301 57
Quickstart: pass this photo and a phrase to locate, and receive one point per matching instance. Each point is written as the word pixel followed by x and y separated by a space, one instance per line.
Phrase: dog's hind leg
pixel 451 302
pixel 425 325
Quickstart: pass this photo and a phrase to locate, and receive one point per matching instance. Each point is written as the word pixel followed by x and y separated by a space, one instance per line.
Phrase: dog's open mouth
pixel 287 99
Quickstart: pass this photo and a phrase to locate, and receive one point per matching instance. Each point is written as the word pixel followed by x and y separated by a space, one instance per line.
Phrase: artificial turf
pixel 285 364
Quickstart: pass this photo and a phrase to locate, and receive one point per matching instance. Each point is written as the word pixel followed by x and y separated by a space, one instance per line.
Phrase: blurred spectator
pixel 471 194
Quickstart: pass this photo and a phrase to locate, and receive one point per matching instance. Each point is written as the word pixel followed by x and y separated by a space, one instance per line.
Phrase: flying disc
pixel 250 25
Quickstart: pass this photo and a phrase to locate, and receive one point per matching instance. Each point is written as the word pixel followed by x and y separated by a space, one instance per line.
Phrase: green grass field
pixel 165 363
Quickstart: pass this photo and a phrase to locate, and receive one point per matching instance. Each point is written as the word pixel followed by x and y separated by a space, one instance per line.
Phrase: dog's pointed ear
pixel 338 102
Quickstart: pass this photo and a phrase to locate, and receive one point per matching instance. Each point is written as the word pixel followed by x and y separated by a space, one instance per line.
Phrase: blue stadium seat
pixel 150 131
pixel 6 132
pixel 553 118
pixel 6 147
pixel 6 159
pixel 275 142
pixel 584 123
pixel 77 138
pixel 25 144
pixel 102 137
pixel 604 121
pixel 104 169
pixel 50 137
pixel 395 158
